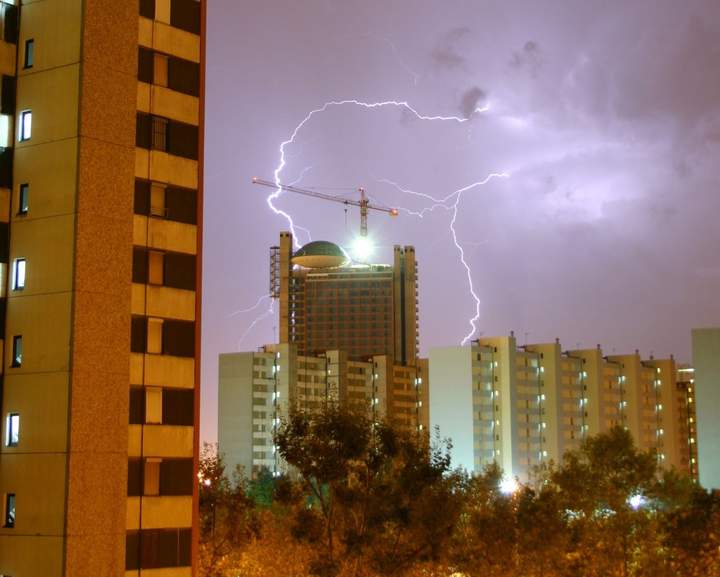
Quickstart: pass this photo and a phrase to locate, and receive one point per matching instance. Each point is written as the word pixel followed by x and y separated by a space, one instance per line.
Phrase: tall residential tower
pixel 100 182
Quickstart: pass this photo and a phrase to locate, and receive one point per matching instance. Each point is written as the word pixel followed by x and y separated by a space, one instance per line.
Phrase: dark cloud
pixel 447 54
pixel 529 58
pixel 471 100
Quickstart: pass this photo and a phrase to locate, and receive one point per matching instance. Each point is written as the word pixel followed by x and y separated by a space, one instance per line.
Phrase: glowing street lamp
pixel 509 485
pixel 636 501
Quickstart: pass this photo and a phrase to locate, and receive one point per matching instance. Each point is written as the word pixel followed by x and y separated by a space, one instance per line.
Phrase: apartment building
pixel 258 389
pixel 100 184
pixel 687 422
pixel 522 406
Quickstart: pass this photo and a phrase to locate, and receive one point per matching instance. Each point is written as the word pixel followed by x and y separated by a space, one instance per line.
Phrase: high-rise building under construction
pixel 327 303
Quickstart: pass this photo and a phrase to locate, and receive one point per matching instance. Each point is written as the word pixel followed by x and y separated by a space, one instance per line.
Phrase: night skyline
pixel 606 120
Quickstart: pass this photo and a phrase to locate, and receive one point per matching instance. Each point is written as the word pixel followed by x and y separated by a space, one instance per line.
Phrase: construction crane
pixel 363 203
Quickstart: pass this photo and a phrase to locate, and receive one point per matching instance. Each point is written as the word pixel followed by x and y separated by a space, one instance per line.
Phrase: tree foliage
pixel 370 494
pixel 365 500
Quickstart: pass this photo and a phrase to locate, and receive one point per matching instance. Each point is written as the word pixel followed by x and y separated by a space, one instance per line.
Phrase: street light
pixel 509 485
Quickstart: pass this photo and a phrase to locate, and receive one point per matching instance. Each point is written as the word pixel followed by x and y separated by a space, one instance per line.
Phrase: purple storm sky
pixel 604 115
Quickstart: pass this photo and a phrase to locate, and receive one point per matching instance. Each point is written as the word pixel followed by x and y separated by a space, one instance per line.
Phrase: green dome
pixel 320 254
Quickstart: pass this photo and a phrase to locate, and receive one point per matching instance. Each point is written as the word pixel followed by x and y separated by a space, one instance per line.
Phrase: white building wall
pixel 706 360
pixel 451 401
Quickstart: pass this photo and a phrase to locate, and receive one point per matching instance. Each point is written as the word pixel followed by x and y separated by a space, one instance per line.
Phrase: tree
pixel 227 515
pixel 600 486
pixel 485 542
pixel 370 494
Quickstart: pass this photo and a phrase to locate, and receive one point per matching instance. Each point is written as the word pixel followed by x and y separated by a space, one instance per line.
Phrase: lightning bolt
pixel 269 312
pixel 441 203
pixel 252 308
pixel 402 104
pixel 450 202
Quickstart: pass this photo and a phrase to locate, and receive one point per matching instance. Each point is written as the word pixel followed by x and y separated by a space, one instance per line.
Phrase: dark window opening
pixel 145 65
pixel 135 477
pixel 178 407
pixel 157 548
pixel 180 271
pixel 17 351
pixel 147 9
pixel 178 338
pixel 137 406
pixel 10 23
pixel 9 92
pixel 9 510
pixel 185 14
pixel 177 477
pixel 23 199
pixel 183 76
pixel 140 265
pixel 138 335
pixel 182 140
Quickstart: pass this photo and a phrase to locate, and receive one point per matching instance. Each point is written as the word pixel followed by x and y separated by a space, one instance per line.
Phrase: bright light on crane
pixel 362 249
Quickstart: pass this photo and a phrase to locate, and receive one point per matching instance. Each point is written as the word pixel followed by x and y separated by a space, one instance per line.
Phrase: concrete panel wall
pixel 706 360
pixel 235 410
pixel 451 403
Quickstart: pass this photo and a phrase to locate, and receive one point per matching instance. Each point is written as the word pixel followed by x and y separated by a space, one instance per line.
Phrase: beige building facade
pixel 522 406
pixel 101 196
pixel 258 389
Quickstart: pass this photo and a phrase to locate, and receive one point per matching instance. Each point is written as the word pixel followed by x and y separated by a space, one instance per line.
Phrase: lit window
pixel 17 351
pixel 29 53
pixel 9 510
pixel 12 430
pixel 23 195
pixel 18 274
pixel 25 125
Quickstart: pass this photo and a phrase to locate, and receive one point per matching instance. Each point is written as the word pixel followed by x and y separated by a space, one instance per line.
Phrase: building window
pixel 29 53
pixel 152 477
pixel 159 133
pixel 153 406
pixel 160 69
pixel 25 125
pixel 12 430
pixel 147 8
pixel 17 351
pixel 157 200
pixel 18 282
pixel 23 198
pixel 155 336
pixel 9 510
pixel 156 268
